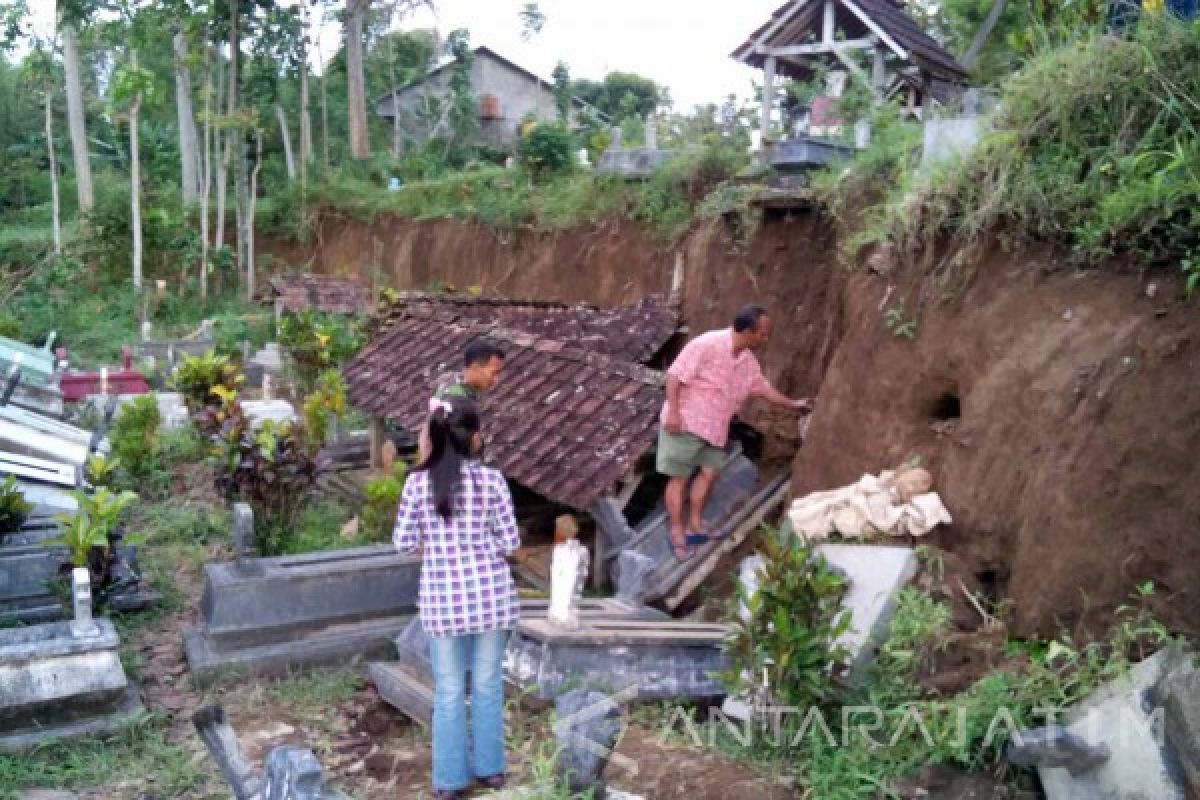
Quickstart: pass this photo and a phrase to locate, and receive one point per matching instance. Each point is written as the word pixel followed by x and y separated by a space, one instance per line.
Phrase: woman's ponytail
pixel 453 423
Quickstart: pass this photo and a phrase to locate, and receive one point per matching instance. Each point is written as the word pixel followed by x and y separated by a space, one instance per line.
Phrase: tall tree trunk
pixel 49 95
pixel 206 172
pixel 306 141
pixel 395 122
pixel 76 128
pixel 985 30
pixel 288 156
pixel 360 145
pixel 222 144
pixel 189 146
pixel 250 209
pixel 135 181
pixel 325 116
pixel 240 173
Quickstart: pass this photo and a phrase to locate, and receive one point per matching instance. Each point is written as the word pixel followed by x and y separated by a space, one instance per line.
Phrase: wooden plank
pixel 768 98
pixel 774 27
pixel 626 632
pixel 726 546
pixel 827 23
pixel 403 690
pixel 875 28
pixel 817 48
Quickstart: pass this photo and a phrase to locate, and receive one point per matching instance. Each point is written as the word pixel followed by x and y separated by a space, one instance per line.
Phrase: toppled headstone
pixel 293 773
pixel 635 576
pixel 586 733
pixel 1124 718
pixel 876 575
pixel 244 543
pixel 1055 746
pixel 1179 693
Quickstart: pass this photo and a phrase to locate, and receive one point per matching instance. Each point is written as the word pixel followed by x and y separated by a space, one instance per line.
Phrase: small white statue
pixel 568 573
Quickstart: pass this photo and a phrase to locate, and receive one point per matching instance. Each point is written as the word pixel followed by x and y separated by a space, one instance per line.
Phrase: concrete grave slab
pixel 278 411
pixel 1124 717
pixel 48 500
pixel 54 683
pixel 41 470
pixel 267 615
pixel 876 575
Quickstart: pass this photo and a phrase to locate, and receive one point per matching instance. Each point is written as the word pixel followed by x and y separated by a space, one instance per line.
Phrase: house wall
pixel 518 96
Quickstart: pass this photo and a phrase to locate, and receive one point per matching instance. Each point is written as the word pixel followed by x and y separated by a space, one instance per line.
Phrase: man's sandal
pixel 682 552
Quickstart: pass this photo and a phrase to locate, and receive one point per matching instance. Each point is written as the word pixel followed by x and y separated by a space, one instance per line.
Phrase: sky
pixel 681 44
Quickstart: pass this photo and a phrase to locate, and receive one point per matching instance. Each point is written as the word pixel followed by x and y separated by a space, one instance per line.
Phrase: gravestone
pixel 586 733
pixel 635 578
pixel 268 615
pixel 62 679
pixel 294 773
pixel 1125 718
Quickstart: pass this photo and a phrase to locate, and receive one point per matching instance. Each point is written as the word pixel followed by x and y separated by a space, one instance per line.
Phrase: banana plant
pixel 93 525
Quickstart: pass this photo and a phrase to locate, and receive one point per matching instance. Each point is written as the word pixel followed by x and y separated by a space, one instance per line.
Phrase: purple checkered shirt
pixel 466 585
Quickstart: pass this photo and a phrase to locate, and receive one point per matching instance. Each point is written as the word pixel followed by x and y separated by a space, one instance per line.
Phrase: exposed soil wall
pixel 1057 410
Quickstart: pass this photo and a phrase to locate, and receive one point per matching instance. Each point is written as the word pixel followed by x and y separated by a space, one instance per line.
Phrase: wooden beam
pixel 775 26
pixel 878 71
pixel 377 435
pixel 629 488
pixel 827 25
pixel 875 28
pixel 849 64
pixel 864 43
pixel 768 98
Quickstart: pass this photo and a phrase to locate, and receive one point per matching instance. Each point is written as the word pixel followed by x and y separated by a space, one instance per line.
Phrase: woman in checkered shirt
pixel 459 515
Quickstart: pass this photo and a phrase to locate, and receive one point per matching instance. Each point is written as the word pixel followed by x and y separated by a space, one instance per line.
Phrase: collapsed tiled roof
pixel 634 332
pixel 302 292
pixel 798 24
pixel 564 422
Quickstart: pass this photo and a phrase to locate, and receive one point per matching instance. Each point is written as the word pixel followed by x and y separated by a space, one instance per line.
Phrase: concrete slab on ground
pixel 876 574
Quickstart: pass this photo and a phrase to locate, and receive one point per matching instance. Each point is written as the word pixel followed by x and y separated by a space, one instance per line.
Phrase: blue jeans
pixel 481 654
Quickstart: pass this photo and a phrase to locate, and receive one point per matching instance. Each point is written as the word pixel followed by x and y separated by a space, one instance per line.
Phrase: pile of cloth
pixel 896 502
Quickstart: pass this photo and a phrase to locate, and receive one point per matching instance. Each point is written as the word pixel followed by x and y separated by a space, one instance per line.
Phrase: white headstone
pixel 568 573
pixel 81 596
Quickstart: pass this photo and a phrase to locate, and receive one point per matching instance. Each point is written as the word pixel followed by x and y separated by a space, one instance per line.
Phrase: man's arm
pixel 773 395
pixel 674 421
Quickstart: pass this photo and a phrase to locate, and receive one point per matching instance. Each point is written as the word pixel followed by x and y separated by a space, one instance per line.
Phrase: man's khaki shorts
pixel 681 454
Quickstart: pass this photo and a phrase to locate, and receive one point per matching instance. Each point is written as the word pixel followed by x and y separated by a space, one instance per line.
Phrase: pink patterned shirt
pixel 715 384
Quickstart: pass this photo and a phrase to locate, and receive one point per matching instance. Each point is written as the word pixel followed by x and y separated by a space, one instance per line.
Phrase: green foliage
pixel 271 469
pixel 14 509
pixel 318 342
pixel 794 622
pixel 101 470
pixel 326 403
pixel 91 528
pixel 546 149
pixel 134 437
pixel 621 95
pixel 562 91
pixel 1107 164
pixel 197 377
pixel 318 527
pixel 383 499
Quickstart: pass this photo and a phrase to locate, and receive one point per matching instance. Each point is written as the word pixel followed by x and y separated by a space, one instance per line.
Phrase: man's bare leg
pixel 674 500
pixel 701 488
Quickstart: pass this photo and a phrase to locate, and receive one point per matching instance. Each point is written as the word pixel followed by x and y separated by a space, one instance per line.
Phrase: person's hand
pixel 803 404
pixel 674 423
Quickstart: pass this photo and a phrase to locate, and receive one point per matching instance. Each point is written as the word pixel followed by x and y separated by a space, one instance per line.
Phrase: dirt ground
pixel 1055 406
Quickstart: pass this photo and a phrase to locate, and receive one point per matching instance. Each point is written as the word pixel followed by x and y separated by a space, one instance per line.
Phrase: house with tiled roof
pixel 296 292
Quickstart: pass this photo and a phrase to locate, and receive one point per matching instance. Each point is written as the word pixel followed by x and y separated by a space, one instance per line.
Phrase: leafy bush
pixel 326 403
pixel 547 148
pixel 318 342
pixel 271 469
pixel 134 437
pixel 101 470
pixel 14 509
pixel 794 620
pixel 197 376
pixel 91 536
pixel 1107 163
pixel 383 499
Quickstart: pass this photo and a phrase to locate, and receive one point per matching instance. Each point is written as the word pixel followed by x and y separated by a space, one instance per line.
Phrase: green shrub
pixel 383 499
pixel 101 470
pixel 197 376
pixel 271 469
pixel 317 342
pixel 547 148
pixel 325 404
pixel 794 621
pixel 14 509
pixel 134 437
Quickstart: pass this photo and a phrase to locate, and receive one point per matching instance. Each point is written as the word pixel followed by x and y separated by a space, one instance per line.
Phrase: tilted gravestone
pixel 586 732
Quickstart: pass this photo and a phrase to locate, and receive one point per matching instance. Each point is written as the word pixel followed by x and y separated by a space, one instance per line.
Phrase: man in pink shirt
pixel 708 383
